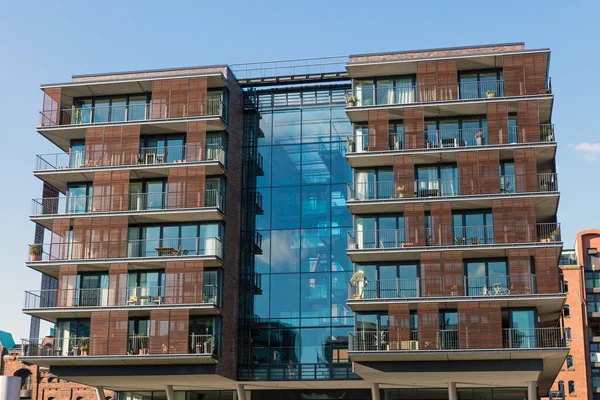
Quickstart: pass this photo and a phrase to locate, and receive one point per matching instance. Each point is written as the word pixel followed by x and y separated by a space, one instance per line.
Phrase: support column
pixel 241 393
pixel 532 390
pixel 170 393
pixel 452 395
pixel 375 391
pixel 100 393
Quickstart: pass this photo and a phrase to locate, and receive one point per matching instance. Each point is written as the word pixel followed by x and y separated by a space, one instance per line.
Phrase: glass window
pixel 569 361
pixel 566 311
pixel 316 201
pixel 316 123
pixel 286 163
pixel 448 334
pixel 79 199
pixel 285 295
pixel 287 126
pixel 287 256
pixel 473 228
pixel 481 84
pixel 77 153
pixel 316 163
pixel 571 387
pixel 522 332
pixel 364 91
pixel 285 207
pixel 487 278
pixel 513 136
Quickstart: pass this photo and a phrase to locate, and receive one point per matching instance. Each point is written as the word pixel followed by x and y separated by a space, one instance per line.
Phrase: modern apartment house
pixel 372 226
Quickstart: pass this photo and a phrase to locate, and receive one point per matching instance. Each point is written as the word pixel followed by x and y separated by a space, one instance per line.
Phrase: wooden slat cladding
pixel 447 80
pixel 514 75
pixel 469 325
pixel 117 283
pixel 196 141
pixel 111 191
pixel 404 175
pixel 514 221
pixel 427 80
pixel 528 121
pixel 186 187
pixel 428 315
pixel 60 237
pixel 414 128
pixel 490 330
pixel 118 236
pixel 378 130
pixel 118 330
pixel 525 171
pixel 478 172
pixel 399 325
pixel 441 217
pixel 159 332
pixel 414 225
pixel 184 280
pixel 94 146
pixel 51 107
pixel 546 270
pixel 178 331
pixel 130 144
pixel 112 145
pixel 497 121
pixel 519 269
pixel 181 97
pixel 99 333
pixel 67 286
pixel 535 73
pixel 431 274
pixel 99 237
pixel 453 273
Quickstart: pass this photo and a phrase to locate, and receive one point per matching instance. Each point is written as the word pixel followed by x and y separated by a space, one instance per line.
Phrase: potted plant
pixel 350 145
pixel 454 290
pixel 550 134
pixel 527 290
pixel 544 184
pixel 209 345
pixel 77 116
pixel 351 100
pixel 84 346
pixel 490 93
pixel 479 138
pixel 359 280
pixel 400 191
pixel 554 234
pixel 35 251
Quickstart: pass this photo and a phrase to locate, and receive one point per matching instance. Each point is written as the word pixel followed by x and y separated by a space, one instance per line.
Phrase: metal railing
pixel 449 235
pixel 120 297
pixel 569 259
pixel 341 370
pixel 202 344
pixel 442 286
pixel 87 250
pixel 126 202
pixel 132 112
pixel 55 347
pixel 304 66
pixel 454 339
pixel 191 152
pixel 138 345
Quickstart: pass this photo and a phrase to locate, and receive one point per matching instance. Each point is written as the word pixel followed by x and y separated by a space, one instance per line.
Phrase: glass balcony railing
pixel 191 152
pixel 132 112
pixel 120 297
pixel 455 339
pixel 155 248
pixel 442 286
pixel 162 201
pixel 449 235
pixel 137 345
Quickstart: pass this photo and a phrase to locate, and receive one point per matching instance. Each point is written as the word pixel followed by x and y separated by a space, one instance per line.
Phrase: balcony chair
pixel 132 300
pixel 93 163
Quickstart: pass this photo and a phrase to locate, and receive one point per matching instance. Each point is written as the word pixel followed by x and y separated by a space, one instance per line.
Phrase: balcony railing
pixel 364 141
pixel 570 259
pixel 191 152
pixel 442 286
pixel 133 112
pixel 123 203
pixel 137 345
pixel 454 339
pixel 366 96
pixel 120 297
pixel 167 248
pixel 448 235
pixel 448 187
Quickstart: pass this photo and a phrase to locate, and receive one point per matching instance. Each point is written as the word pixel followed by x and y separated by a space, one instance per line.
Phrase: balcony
pixel 156 250
pixel 147 156
pixel 415 288
pixel 144 206
pixel 454 340
pixel 139 350
pixel 389 244
pixel 63 303
pixel 370 96
pixel 128 113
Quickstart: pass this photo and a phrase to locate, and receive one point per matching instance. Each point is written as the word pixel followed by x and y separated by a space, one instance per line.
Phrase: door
pixel 522 332
pixel 79 199
pixel 77 154
pixel 365 185
pixel 448 334
pixel 92 289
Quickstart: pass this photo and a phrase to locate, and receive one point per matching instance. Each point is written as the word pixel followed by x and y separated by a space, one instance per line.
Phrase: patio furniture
pixel 474 240
pixel 460 241
pixel 132 300
pixel 165 251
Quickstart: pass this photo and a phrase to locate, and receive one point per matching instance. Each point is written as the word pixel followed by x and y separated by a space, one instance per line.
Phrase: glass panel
pixel 77 154
pixel 118 109
pixel 522 332
pixel 136 196
pixel 137 108
pixel 468 86
pixel 512 130
pixel 385 92
pixel 78 200
pixel 476 281
pixel 405 91
pixel 385 184
pixel 449 180
pixel 286 127
pixel 364 92
pixel 101 110
pixel 83 112
pixel 147 248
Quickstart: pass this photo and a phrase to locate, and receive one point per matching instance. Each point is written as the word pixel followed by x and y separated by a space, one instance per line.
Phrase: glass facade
pixel 300 320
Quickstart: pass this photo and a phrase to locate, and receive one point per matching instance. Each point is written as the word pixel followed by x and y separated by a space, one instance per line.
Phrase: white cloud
pixel 590 150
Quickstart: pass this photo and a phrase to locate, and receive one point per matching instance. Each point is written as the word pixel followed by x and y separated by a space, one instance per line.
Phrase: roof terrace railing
pixel 303 66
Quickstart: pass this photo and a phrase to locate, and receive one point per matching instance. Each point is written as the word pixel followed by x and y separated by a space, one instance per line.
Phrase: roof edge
pixel 438 49
pixel 149 71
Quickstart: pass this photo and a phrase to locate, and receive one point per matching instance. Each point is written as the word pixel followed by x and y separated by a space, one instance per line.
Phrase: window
pixel 473 228
pixel 455 132
pixel 507 177
pixel 394 90
pixel 592 259
pixel 92 289
pixel 570 362
pixel 488 277
pixel 522 329
pixel 437 180
pixel 513 136
pixel 111 109
pixel 448 334
pixel 137 335
pixel 566 286
pixel 566 311
pixel 68 333
pixel 158 149
pixel 174 240
pixel 477 84
pixel 151 195
pixel 571 387
pixel 25 376
pixel 374 184
pixel 79 199
pixel 77 153
pixel 390 281
pixel 379 232
pixel 568 333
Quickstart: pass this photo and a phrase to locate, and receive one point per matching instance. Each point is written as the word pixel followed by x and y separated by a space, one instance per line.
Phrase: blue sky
pixel 44 42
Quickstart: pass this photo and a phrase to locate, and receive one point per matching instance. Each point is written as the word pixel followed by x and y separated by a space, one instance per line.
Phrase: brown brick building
pixel 375 225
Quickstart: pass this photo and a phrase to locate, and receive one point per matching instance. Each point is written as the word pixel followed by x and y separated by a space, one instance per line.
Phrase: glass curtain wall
pixel 301 319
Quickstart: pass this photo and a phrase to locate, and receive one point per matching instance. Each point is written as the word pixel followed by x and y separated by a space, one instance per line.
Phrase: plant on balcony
pixel 359 280
pixel 479 138
pixel 77 116
pixel 490 93
pixel 351 100
pixel 555 234
pixel 84 346
pixel 209 345
pixel 527 290
pixel 400 191
pixel 35 251
pixel 544 184
pixel 350 145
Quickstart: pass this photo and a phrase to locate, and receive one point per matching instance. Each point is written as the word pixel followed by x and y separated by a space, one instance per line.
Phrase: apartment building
pixel 372 226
